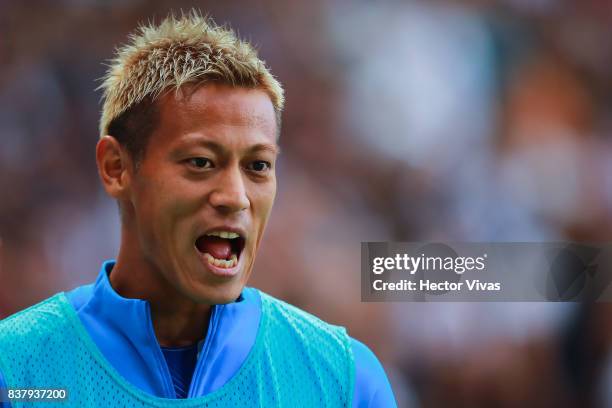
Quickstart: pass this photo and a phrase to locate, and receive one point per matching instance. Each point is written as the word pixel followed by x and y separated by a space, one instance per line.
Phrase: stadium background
pixel 405 120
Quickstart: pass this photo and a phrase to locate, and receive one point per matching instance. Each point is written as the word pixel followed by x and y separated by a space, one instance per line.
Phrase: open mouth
pixel 221 248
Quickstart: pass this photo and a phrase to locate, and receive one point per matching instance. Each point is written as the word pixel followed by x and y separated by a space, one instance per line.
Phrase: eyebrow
pixel 219 149
pixel 274 148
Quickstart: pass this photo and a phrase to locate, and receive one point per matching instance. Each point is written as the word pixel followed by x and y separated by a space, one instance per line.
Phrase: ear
pixel 114 167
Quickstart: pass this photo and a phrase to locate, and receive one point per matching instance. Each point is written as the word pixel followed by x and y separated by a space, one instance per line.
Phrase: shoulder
pixel 312 353
pixel 32 336
pixel 281 313
pixel 372 387
pixel 277 306
pixel 36 322
pixel 284 325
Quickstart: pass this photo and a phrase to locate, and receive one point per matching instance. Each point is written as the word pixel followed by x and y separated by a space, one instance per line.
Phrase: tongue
pixel 218 247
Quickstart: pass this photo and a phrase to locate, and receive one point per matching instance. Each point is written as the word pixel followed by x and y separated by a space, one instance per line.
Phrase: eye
pixel 259 166
pixel 200 163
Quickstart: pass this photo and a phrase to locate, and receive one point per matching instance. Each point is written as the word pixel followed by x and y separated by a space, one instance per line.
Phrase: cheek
pixel 168 191
pixel 263 199
pixel 162 209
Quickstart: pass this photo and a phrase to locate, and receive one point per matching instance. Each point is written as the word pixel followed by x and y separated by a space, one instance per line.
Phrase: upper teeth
pixel 223 234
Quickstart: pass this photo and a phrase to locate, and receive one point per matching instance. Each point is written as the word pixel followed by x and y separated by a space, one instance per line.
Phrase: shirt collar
pixel 123 330
pixel 131 317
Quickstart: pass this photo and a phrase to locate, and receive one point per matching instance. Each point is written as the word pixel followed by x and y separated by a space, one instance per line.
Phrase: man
pixel 188 146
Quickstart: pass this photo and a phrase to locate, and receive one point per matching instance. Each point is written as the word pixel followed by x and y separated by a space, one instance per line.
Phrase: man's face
pixel 203 191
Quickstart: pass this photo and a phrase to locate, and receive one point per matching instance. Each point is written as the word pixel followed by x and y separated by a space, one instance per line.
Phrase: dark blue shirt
pixel 181 362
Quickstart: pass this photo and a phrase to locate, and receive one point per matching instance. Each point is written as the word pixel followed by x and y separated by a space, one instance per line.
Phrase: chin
pixel 220 293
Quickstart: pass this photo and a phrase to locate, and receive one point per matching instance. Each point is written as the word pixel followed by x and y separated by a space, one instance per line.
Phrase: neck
pixel 177 320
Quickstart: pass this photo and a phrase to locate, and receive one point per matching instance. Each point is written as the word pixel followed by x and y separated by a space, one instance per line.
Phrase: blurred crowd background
pixel 405 120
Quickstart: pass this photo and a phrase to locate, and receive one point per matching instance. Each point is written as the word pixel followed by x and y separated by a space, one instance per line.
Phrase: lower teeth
pixel 222 263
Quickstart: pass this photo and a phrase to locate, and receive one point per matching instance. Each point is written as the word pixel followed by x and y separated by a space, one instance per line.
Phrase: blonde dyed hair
pixel 190 49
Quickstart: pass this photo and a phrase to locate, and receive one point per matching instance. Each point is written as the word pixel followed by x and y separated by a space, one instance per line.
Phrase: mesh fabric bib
pixel 297 361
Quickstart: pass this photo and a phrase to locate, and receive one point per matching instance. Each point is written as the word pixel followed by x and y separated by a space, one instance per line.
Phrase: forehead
pixel 216 111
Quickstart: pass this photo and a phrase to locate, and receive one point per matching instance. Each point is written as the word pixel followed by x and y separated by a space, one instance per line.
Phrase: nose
pixel 230 194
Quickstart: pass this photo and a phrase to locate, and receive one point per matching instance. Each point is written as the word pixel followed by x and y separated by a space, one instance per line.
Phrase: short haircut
pixel 186 50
